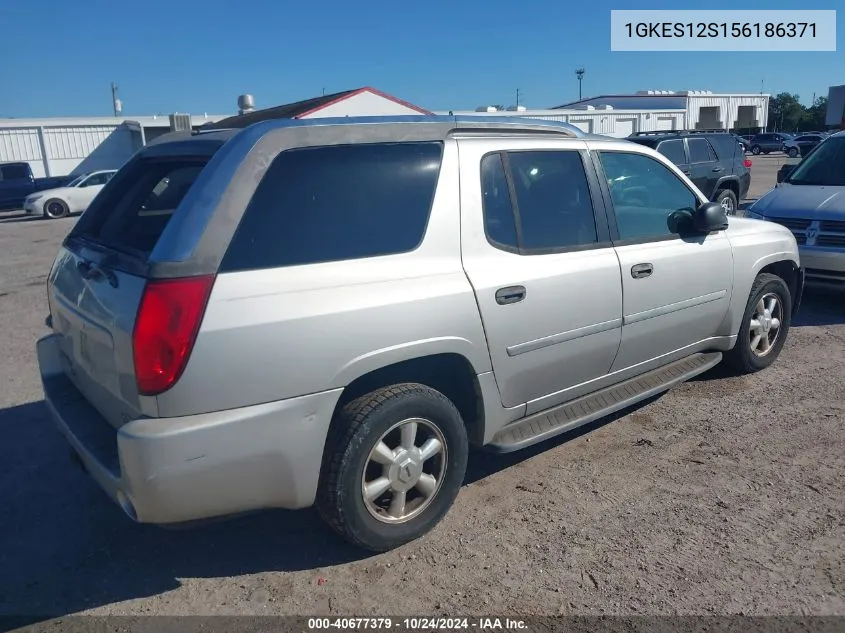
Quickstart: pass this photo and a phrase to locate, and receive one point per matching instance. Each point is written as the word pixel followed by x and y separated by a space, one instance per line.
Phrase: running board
pixel 570 415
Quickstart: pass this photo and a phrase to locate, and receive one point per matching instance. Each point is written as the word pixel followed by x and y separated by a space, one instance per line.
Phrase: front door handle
pixel 638 271
pixel 718 169
pixel 511 294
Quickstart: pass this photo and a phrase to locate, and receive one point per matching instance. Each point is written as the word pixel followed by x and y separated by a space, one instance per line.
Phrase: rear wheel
pixel 756 150
pixel 55 209
pixel 727 199
pixel 765 324
pixel 793 152
pixel 395 461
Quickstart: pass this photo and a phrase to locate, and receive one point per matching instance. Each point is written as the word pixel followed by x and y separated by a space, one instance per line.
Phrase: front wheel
pixel 765 324
pixel 793 152
pixel 756 150
pixel 395 461
pixel 55 209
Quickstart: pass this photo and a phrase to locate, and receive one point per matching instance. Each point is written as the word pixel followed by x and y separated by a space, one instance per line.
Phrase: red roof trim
pixel 352 93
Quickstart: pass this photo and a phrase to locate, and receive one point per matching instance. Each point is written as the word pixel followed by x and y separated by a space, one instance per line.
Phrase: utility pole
pixel 580 74
pixel 517 98
pixel 117 106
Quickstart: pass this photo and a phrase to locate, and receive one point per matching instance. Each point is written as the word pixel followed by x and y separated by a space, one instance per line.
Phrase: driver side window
pixel 649 201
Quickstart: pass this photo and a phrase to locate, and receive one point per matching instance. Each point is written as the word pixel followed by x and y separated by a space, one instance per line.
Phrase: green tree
pixel 786 113
pixel 816 114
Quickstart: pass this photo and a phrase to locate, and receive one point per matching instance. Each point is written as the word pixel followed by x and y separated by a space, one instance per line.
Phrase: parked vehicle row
pixel 391 291
pixel 17 182
pixel 74 197
pixel 792 145
pixel 801 145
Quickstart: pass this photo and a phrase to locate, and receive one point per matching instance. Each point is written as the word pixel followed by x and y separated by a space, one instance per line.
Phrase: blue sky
pixel 191 56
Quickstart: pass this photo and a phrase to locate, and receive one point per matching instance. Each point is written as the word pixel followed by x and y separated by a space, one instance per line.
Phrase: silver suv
pixel 333 311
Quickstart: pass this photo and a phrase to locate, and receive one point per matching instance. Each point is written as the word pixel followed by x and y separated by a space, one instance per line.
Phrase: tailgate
pixel 99 276
pixel 93 311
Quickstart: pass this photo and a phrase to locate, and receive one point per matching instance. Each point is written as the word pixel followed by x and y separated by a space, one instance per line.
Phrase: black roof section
pixel 286 111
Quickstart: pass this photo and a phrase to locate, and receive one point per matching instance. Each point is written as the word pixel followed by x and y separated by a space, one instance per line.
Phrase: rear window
pixel 15 172
pixel 135 211
pixel 336 203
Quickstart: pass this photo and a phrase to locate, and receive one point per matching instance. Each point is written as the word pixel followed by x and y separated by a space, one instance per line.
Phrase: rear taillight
pixel 748 163
pixel 169 317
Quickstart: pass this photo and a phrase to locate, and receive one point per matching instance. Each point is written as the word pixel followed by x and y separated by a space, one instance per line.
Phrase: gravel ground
pixel 724 496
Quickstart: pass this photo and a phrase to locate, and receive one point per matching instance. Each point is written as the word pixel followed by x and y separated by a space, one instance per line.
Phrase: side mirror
pixel 710 217
pixel 784 172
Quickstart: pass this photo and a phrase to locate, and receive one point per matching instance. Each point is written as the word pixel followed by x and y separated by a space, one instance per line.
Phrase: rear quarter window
pixel 674 151
pixel 339 202
pixel 725 146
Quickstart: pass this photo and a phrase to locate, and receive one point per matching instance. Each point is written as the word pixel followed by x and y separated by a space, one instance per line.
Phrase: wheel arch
pixel 784 264
pixel 450 373
pixel 730 183
pixel 792 275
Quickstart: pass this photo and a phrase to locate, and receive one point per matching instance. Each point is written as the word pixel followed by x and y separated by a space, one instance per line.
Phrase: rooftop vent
pixel 180 122
pixel 246 103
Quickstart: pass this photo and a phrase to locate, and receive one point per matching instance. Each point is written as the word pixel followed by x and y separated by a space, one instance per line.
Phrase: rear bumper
pixel 171 470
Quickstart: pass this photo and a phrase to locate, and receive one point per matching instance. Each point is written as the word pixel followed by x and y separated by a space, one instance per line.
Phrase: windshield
pixel 825 166
pixel 77 180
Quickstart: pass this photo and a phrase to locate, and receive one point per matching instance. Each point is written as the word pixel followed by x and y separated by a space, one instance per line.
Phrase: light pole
pixel 580 73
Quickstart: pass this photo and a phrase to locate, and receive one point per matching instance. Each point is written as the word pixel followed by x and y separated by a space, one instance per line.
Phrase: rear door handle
pixel 511 294
pixel 718 169
pixel 638 271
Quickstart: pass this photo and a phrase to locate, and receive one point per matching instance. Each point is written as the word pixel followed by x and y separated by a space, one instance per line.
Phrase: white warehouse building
pixel 62 146
pixel 621 115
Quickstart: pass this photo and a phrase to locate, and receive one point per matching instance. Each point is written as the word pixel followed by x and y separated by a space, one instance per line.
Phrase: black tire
pixel 793 152
pixel 755 150
pixel 727 199
pixel 742 358
pixel 55 208
pixel 355 431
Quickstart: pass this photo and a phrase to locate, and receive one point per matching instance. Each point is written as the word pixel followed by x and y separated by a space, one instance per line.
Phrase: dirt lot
pixel 725 495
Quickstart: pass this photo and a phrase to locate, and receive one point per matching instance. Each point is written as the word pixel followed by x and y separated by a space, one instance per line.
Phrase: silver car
pixel 333 311
pixel 810 201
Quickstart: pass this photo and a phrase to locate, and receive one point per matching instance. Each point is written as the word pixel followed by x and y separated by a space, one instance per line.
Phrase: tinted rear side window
pixel 725 146
pixel 132 215
pixel 337 203
pixel 674 151
pixel 699 152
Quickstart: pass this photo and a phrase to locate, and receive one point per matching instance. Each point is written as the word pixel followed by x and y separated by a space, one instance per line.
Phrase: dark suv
pixel 714 161
pixel 768 142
